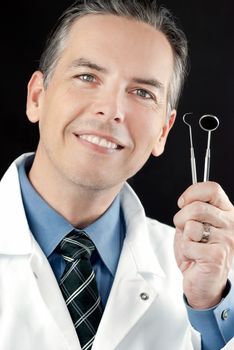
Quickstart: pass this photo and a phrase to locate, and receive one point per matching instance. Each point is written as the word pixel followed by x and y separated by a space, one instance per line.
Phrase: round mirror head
pixel 209 122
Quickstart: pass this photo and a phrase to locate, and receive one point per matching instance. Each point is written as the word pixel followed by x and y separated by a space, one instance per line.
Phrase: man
pixel 105 99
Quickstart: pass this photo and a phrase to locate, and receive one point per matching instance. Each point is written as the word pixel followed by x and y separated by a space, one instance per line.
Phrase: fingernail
pixel 180 202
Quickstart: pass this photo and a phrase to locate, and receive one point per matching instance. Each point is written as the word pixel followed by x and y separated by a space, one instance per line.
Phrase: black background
pixel 209 89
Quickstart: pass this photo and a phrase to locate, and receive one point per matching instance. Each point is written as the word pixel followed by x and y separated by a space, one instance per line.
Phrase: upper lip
pixel 101 135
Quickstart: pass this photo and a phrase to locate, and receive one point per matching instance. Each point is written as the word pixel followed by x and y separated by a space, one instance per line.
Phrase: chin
pixel 94 183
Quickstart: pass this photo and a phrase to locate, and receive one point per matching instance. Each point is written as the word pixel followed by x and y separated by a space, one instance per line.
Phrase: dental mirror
pixel 208 123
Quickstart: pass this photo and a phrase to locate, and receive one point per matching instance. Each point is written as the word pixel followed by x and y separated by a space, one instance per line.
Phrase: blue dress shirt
pixel 49 228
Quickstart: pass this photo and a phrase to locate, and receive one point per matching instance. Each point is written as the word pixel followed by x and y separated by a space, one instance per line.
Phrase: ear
pixel 162 138
pixel 34 97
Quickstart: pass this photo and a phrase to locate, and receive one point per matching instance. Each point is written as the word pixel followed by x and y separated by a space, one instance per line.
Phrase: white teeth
pixel 99 141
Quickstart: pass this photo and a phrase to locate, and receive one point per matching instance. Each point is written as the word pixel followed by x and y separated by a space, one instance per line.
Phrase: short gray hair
pixel 141 10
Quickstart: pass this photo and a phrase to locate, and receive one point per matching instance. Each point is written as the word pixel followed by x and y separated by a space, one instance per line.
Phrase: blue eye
pixel 143 93
pixel 87 78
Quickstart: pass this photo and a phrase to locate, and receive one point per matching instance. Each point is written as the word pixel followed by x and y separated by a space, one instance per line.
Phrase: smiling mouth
pixel 100 141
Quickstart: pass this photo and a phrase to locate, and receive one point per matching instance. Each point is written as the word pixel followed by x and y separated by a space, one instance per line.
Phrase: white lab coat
pixel 33 314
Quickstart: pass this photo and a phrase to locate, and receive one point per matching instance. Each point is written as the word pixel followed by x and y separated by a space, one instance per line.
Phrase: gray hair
pixel 141 10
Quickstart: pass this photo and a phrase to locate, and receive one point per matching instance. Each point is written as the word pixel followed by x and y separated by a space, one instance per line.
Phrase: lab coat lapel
pixel 137 282
pixel 124 307
pixel 53 299
pixel 19 241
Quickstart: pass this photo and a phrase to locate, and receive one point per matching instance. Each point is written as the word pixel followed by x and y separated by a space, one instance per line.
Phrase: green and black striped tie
pixel 79 287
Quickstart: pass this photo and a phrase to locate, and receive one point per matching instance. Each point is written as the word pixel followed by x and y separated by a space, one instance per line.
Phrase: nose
pixel 110 105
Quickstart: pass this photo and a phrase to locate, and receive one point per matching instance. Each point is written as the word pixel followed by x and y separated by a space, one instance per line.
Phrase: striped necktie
pixel 79 288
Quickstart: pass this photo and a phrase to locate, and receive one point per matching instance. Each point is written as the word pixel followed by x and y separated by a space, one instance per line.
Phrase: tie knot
pixel 76 245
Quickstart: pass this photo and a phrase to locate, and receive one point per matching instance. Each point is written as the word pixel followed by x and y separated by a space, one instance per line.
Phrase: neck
pixel 80 205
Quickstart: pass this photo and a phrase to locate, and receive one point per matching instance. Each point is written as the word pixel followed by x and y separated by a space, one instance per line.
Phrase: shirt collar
pixel 49 227
pixel 107 233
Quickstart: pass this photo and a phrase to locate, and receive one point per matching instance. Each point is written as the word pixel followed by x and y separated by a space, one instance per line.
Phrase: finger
pixel 209 257
pixel 177 247
pixel 193 231
pixel 202 212
pixel 206 253
pixel 210 192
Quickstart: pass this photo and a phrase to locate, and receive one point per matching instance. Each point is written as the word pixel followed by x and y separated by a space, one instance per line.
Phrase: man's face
pixel 104 110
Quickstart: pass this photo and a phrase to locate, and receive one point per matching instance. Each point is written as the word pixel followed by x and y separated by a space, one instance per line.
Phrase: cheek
pixel 146 130
pixel 66 103
pixel 61 108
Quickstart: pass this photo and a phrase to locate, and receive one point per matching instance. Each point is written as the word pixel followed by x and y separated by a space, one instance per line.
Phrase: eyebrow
pixel 151 82
pixel 85 62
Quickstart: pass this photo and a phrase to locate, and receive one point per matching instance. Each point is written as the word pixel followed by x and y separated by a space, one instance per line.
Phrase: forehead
pixel 120 43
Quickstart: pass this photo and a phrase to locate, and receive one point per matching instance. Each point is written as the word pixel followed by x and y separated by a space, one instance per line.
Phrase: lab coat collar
pixel 13 217
pixel 137 235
